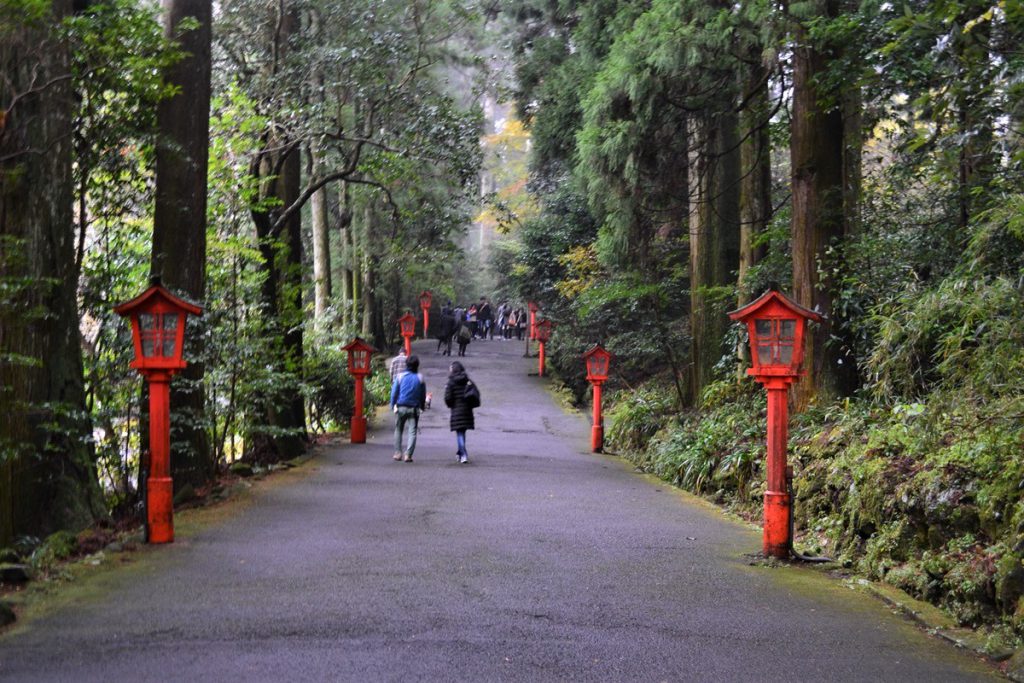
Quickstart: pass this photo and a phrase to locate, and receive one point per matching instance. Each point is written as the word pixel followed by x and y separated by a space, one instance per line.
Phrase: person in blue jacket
pixel 408 398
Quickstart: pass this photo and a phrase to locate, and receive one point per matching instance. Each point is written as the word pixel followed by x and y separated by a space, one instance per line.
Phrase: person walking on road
pixel 463 337
pixel 397 366
pixel 448 326
pixel 408 398
pixel 484 313
pixel 459 395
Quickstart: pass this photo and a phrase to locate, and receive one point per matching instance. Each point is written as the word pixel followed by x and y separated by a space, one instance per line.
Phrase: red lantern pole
pixel 359 353
pixel 159 486
pixel 407 328
pixel 540 360
pixel 776 325
pixel 597 431
pixel 158 334
pixel 776 536
pixel 358 429
pixel 425 299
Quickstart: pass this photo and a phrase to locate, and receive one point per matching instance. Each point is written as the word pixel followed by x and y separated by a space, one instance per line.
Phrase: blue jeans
pixel 411 416
pixel 460 441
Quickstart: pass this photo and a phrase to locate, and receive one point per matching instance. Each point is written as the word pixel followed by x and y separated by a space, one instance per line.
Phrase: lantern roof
pixel 533 306
pixel 358 344
pixel 407 316
pixel 597 350
pixel 773 304
pixel 154 294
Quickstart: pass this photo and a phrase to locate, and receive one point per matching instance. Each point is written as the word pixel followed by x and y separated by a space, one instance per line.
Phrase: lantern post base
pixel 597 438
pixel 160 509
pixel 777 542
pixel 358 429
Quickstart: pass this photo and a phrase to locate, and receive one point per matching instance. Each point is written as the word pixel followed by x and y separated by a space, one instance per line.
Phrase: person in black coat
pixel 462 411
pixel 447 331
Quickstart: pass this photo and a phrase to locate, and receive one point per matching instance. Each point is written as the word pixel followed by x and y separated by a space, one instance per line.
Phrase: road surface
pixel 538 561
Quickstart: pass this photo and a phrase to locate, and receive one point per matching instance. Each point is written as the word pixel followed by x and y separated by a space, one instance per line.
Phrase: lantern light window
pixel 159 334
pixel 775 341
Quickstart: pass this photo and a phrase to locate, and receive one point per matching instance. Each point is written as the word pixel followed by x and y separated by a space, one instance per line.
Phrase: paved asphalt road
pixel 537 562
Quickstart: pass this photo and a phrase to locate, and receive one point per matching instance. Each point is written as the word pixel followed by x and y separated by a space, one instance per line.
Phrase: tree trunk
pixel 47 477
pixel 292 310
pixel 347 254
pixel 179 224
pixel 977 157
pixel 816 153
pixel 714 245
pixel 321 250
pixel 368 274
pixel 755 175
pixel 281 408
pixel 853 146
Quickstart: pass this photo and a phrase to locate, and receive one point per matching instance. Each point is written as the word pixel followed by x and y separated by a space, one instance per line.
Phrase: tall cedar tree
pixel 47 477
pixel 179 220
pixel 816 157
pixel 280 243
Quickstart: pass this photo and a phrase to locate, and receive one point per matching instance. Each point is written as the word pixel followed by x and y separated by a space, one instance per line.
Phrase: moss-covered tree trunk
pixel 47 474
pixel 179 224
pixel 369 276
pixel 280 425
pixel 345 249
pixel 816 156
pixel 714 245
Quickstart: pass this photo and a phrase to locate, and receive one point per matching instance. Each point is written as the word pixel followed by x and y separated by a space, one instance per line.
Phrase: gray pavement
pixel 536 562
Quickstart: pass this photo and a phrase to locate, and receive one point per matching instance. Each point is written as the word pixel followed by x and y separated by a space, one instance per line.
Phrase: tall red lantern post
pixel 359 353
pixel 158 333
pixel 543 335
pixel 776 325
pixel 597 360
pixel 407 327
pixel 425 299
pixel 532 305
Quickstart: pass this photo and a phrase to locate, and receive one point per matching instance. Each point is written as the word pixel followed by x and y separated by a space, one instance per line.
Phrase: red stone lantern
pixel 425 298
pixel 543 335
pixel 597 360
pixel 407 327
pixel 158 333
pixel 776 326
pixel 532 305
pixel 359 353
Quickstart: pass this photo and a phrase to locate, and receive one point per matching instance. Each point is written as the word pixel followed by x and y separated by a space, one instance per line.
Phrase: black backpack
pixel 472 395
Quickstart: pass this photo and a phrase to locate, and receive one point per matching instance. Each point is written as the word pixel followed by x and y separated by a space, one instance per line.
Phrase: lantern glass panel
pixel 359 360
pixel 785 354
pixel 787 329
pixel 763 328
pixel 170 333
pixel 764 354
pixel 148 334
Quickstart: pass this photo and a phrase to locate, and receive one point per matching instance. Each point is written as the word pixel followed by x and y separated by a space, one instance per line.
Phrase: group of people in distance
pixel 409 396
pixel 461 324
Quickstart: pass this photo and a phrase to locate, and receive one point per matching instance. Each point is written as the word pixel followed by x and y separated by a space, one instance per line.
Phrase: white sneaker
pixel 463 459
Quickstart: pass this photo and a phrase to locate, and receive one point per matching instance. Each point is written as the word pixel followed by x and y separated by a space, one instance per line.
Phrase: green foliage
pixel 719 448
pixel 634 419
